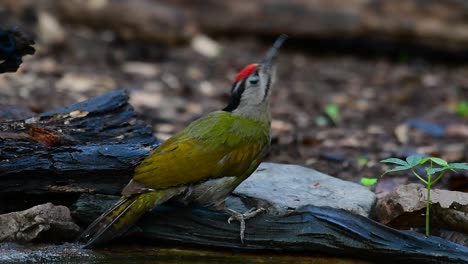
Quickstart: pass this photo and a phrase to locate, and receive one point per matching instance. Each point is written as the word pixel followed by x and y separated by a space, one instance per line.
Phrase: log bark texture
pixel 307 230
pixel 86 147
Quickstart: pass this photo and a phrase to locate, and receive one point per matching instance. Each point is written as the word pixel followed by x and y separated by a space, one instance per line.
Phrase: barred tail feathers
pixel 121 216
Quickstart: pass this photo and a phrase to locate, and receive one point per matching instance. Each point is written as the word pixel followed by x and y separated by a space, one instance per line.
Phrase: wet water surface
pixel 72 253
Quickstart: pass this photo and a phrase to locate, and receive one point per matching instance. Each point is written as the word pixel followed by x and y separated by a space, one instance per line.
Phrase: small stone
pixel 83 83
pixel 171 80
pixel 141 99
pixel 281 126
pixel 427 127
pixel 78 113
pixel 453 152
pixel 458 130
pixel 402 133
pixel 50 30
pixel 336 157
pixel 46 221
pixel 207 88
pixel 144 69
pixel 206 46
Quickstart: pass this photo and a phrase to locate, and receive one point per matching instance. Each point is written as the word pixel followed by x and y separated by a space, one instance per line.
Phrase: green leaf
pixel 333 112
pixel 462 108
pixel 368 181
pixel 397 168
pixel 413 160
pixel 439 161
pixel 395 161
pixel 458 166
pixel 433 171
pixel 362 161
pixel 424 160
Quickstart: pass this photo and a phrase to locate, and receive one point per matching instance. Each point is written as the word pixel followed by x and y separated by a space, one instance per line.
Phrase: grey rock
pixel 405 205
pixel 281 188
pixel 46 221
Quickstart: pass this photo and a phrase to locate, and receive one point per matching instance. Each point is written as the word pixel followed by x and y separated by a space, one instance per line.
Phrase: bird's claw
pixel 242 217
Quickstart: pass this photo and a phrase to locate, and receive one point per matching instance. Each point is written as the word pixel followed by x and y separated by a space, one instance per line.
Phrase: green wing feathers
pixel 120 217
pixel 218 145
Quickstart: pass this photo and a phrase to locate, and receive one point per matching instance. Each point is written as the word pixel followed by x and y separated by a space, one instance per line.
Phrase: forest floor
pixel 388 106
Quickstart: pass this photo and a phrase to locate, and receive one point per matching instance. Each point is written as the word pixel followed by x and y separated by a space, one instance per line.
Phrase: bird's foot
pixel 242 217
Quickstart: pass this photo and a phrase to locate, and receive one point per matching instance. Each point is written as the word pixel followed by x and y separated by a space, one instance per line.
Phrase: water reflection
pixel 72 253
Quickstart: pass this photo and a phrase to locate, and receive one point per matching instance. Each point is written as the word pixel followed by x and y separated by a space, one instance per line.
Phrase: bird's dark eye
pixel 254 79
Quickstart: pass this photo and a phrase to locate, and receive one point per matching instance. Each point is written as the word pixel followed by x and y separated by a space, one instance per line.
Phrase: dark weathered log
pixel 90 146
pixel 144 20
pixel 309 229
pixel 432 23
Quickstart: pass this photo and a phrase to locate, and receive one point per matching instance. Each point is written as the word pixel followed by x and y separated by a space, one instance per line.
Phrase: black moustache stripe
pixel 267 89
pixel 235 98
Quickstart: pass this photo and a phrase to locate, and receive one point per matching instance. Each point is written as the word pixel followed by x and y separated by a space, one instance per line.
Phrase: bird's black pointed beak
pixel 271 55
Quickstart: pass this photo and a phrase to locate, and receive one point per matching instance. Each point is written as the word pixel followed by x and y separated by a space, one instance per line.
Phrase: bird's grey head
pixel 252 87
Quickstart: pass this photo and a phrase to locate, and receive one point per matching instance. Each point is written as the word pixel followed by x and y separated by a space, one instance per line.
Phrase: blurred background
pixel 358 80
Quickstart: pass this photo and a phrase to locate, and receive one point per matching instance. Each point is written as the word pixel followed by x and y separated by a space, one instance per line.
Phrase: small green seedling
pixel 434 172
pixel 462 108
pixel 331 115
pixel 333 112
pixel 368 182
pixel 362 161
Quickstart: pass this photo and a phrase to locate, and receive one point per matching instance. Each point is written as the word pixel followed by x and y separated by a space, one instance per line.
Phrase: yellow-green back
pixel 217 145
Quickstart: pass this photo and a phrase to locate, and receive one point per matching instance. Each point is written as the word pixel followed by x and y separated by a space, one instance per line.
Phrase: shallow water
pixel 72 253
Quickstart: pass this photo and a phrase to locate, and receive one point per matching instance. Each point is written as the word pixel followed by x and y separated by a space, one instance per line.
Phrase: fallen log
pixel 144 20
pixel 86 147
pixel 424 23
pixel 435 24
pixel 309 229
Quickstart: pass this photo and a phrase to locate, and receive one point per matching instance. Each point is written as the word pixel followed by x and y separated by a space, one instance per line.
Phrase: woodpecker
pixel 203 163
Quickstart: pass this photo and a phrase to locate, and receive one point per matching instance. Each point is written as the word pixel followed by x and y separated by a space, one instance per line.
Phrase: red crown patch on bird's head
pixel 249 69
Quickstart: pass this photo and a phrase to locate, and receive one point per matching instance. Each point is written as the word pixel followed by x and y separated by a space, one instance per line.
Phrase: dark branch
pixel 14 44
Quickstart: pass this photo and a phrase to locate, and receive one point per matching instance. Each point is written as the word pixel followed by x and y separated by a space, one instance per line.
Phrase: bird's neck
pixel 257 112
